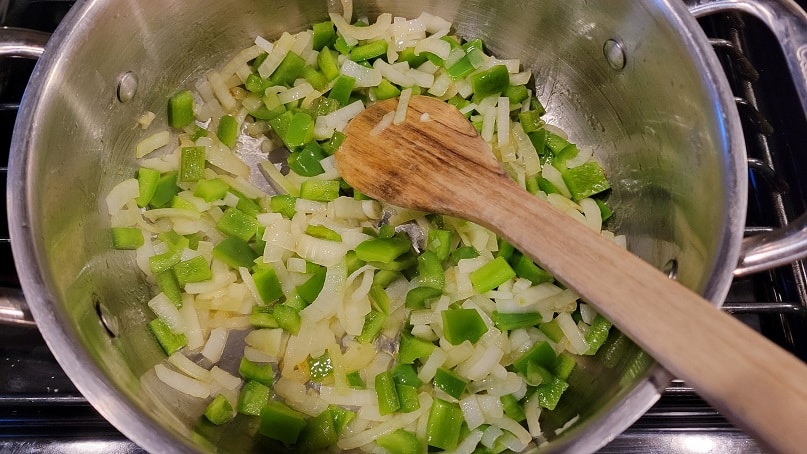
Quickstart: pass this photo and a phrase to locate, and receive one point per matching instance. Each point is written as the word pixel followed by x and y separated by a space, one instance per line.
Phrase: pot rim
pixel 112 404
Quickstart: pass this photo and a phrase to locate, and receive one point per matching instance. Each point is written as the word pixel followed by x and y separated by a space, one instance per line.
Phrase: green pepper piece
pixel 552 330
pixel 268 284
pixel 210 190
pixel 400 442
pixel 461 68
pixel 555 143
pixel 235 252
pixel 236 223
pixel 527 269
pixel 379 298
pixel 342 89
pixel 326 60
pixel 530 121
pixel 444 425
pixel 227 131
pixel 333 144
pixel 341 417
pixel 261 317
pixel 165 261
pixel 373 324
pixel 405 374
pixel 585 180
pixel 516 93
pixel 166 189
pixel 283 204
pixel 310 289
pixel 320 367
pixel 408 55
pixel 385 90
pixel 450 382
pixel 383 278
pixel 300 130
pixel 541 354
pixel 564 365
pixel 306 162
pixel 256 84
pixel 460 325
pixel 354 380
pixel 597 334
pixel 318 434
pixel 192 164
pixel 512 408
pixel 192 270
pixel 252 371
pixel 464 252
pixel 491 275
pixel 324 35
pixel 258 61
pixel 439 242
pixel 383 250
pixel 287 318
pixel 126 238
pixel 319 190
pixel 342 46
pixel 418 297
pixel 147 183
pixel 280 124
pixel 219 411
pixel 412 348
pixel 430 271
pixel 314 77
pixel 170 341
pixel 288 70
pixel 605 211
pixel 388 401
pixel 538 140
pixel 322 232
pixel 168 284
pixel 279 422
pixel 180 109
pixel 509 322
pixel 535 374
pixel 369 50
pixel 549 393
pixel 490 81
pixel 408 396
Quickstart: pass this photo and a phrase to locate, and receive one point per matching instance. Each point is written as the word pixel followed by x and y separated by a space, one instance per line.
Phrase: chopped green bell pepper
pixel 279 422
pixel 180 109
pixel 460 325
pixel 219 411
pixel 126 238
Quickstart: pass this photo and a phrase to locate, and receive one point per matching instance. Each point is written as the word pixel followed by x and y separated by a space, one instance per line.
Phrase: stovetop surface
pixel 41 410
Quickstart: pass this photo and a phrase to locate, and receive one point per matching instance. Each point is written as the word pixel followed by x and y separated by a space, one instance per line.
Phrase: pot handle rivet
pixel 109 322
pixel 127 87
pixel 614 53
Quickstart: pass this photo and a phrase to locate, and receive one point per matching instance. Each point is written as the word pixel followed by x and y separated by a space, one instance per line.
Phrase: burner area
pixel 42 411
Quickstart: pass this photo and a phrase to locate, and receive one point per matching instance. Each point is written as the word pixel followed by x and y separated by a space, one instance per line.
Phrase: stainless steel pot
pixel 636 79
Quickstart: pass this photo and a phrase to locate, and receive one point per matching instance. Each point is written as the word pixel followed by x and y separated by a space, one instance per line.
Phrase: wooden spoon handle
pixel 751 381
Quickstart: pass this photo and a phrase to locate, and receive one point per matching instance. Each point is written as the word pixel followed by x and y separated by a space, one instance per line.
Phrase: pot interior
pixel 647 106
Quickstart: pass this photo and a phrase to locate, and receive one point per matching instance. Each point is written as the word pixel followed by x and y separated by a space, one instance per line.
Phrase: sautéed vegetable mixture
pixel 368 326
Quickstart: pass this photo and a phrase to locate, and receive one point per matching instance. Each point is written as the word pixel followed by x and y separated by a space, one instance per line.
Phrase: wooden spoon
pixel 443 166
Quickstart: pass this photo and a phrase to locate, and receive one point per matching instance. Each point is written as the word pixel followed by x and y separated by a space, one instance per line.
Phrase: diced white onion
pixel 214 347
pixel 189 367
pixel 182 383
pixel 123 192
pixel 152 143
pixel 403 106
